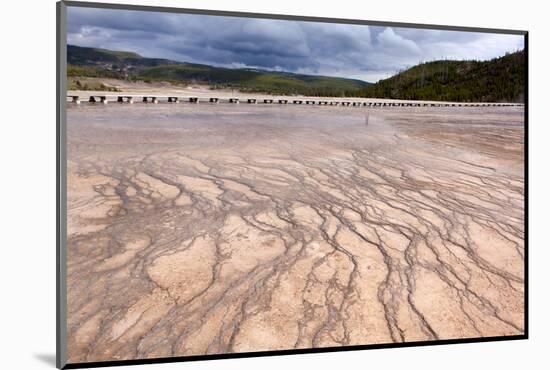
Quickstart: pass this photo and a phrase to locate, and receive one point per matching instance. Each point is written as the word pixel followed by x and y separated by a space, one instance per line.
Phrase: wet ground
pixel 234 228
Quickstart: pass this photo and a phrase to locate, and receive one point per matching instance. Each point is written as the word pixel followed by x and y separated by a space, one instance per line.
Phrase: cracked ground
pixel 214 229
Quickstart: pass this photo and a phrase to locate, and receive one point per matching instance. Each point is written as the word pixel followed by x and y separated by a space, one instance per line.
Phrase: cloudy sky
pixel 354 51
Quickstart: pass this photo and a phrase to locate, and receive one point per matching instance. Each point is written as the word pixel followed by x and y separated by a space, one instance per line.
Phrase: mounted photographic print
pixel 234 184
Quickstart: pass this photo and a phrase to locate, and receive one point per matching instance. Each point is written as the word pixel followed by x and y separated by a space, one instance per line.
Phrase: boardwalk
pixel 347 102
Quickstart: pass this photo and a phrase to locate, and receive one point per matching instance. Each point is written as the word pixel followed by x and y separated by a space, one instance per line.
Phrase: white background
pixel 27 182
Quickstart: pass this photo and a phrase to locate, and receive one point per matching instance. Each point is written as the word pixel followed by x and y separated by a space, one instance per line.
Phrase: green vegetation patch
pixel 497 80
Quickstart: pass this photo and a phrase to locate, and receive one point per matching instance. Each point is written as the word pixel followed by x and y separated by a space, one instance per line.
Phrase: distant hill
pixel 94 62
pixel 496 80
pixel 81 56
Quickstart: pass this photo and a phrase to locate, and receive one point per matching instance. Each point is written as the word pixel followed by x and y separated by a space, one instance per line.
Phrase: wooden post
pixel 75 99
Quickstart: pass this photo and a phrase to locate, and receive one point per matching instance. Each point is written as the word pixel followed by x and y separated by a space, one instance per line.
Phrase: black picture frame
pixel 61 186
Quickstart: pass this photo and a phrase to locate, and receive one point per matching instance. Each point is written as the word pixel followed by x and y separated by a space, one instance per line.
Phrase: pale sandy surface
pixel 248 228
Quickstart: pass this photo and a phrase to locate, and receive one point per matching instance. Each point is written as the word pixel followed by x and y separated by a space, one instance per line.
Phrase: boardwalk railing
pixel 155 99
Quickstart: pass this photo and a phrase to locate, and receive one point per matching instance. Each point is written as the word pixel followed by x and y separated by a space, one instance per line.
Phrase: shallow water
pixel 225 228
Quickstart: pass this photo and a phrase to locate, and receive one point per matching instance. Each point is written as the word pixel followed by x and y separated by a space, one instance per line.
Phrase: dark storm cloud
pixel 353 51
